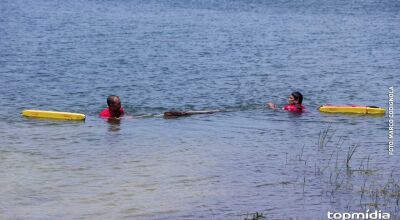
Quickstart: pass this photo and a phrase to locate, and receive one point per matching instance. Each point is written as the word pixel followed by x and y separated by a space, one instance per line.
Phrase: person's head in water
pixel 114 105
pixel 295 98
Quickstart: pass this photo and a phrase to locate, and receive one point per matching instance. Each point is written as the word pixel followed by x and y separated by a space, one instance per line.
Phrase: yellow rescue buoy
pixel 53 115
pixel 352 109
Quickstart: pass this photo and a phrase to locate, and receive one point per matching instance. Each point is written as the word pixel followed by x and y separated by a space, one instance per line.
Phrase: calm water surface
pixel 194 55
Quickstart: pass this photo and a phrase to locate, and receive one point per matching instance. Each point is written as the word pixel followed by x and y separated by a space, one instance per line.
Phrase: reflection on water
pixel 114 124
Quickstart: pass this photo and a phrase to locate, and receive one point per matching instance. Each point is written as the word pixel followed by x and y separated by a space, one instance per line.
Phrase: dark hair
pixel 298 96
pixel 110 99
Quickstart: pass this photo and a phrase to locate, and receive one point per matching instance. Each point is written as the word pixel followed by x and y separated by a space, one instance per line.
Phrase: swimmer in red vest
pixel 114 109
pixel 295 100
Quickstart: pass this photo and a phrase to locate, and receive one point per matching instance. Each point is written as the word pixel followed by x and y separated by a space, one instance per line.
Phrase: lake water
pixel 194 55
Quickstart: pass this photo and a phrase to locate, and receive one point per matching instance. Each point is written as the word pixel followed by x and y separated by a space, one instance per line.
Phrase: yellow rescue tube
pixel 352 109
pixel 53 115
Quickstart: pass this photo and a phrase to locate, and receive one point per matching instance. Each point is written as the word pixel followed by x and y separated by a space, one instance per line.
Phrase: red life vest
pixel 294 108
pixel 107 114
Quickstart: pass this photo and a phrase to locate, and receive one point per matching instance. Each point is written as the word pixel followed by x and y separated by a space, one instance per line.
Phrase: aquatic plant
pixel 350 153
pixel 342 177
pixel 325 136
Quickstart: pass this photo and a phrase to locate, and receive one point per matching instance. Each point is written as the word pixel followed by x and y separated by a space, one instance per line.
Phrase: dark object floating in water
pixel 188 113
